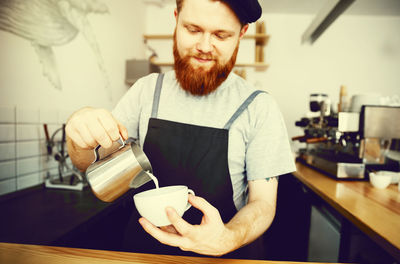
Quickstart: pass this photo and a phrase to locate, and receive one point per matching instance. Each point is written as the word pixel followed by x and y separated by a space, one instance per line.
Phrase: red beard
pixel 199 81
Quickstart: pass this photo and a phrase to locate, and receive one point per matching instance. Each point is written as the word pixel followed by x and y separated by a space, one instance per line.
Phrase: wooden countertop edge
pixel 34 254
pixel 379 238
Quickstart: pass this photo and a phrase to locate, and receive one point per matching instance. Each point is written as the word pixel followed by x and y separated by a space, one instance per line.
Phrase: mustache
pixel 203 56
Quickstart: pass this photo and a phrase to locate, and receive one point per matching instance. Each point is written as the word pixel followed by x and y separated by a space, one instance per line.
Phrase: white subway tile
pixel 7 132
pixel 7 114
pixel 42 148
pixel 8 186
pixel 48 162
pixel 56 148
pixel 7 151
pixel 28 180
pixel 28 149
pixel 29 132
pixel 29 165
pixel 48 115
pixel 27 115
pixel 54 173
pixel 43 176
pixel 7 169
pixel 69 162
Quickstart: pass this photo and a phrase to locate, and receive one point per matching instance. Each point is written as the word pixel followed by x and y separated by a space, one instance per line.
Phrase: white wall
pixel 119 37
pixel 360 52
pixel 27 98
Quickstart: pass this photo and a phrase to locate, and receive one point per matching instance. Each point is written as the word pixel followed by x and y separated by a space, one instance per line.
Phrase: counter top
pixel 41 216
pixel 18 253
pixel 374 211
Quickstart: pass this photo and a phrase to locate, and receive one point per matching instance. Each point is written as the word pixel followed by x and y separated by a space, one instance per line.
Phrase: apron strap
pixel 243 107
pixel 156 97
pixel 239 111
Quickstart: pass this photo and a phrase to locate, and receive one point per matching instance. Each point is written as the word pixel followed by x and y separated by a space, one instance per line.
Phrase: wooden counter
pixel 374 211
pixel 18 253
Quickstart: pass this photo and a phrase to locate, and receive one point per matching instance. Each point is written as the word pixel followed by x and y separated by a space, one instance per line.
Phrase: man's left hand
pixel 211 237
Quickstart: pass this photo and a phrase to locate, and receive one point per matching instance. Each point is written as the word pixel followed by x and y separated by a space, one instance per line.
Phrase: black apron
pixel 195 156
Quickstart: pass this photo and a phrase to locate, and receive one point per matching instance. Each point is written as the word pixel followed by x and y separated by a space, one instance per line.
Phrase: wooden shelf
pixel 257 65
pixel 263 38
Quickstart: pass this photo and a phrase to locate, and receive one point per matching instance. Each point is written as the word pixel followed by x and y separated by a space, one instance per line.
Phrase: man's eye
pixel 192 30
pixel 221 36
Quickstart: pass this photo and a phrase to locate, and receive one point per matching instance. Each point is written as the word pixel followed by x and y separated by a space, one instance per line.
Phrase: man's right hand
pixel 89 127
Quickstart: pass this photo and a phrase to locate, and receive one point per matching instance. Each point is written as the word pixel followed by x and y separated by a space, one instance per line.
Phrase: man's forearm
pixel 81 158
pixel 250 222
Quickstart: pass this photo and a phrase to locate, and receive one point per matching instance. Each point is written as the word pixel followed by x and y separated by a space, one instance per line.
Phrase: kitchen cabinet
pixel 287 237
pixel 368 218
pixel 324 222
pixel 63 218
pixel 308 228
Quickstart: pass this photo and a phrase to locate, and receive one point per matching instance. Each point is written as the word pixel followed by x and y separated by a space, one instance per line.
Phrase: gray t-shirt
pixel 258 146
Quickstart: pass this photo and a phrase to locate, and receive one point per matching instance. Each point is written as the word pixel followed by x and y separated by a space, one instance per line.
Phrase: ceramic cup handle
pixel 188 204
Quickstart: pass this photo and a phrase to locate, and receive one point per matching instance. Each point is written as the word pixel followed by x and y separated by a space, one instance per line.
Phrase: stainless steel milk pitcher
pixel 117 169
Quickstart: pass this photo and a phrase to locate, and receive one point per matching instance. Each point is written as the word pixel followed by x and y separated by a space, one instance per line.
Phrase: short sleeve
pixel 128 109
pixel 268 152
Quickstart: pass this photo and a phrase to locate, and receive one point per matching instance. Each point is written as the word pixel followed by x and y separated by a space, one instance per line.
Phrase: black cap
pixel 248 11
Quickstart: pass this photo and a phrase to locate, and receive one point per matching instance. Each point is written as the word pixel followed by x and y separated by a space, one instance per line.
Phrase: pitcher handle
pixel 97 155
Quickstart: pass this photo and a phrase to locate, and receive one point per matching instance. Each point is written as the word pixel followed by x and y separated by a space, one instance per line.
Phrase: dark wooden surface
pixel 44 216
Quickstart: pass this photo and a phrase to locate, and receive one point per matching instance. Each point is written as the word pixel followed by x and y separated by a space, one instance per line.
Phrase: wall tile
pixel 7 169
pixel 28 181
pixel 29 165
pixel 7 114
pixel 42 176
pixel 47 163
pixel 8 186
pixel 42 148
pixel 27 115
pixel 7 132
pixel 52 173
pixel 28 149
pixel 69 162
pixel 48 116
pixel 29 132
pixel 7 151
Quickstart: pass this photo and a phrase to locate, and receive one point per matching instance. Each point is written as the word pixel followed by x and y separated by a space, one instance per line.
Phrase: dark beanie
pixel 248 11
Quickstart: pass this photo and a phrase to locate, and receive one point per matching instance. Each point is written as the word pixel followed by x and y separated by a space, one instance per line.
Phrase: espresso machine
pixel 348 145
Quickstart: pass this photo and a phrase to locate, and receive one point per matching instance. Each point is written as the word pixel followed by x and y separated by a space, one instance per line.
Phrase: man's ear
pixel 243 31
pixel 176 14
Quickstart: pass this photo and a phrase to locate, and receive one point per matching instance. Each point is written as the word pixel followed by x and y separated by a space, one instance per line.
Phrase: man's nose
pixel 204 44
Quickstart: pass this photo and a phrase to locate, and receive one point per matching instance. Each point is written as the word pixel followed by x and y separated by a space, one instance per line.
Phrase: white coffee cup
pixel 380 181
pixel 151 204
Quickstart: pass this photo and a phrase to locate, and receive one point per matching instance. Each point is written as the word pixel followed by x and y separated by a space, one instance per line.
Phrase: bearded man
pixel 201 126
